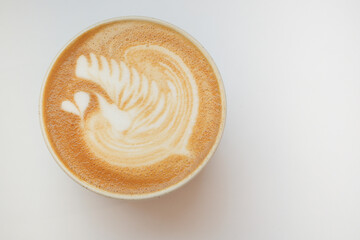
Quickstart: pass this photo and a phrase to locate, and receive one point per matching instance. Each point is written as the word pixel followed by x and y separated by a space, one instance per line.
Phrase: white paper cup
pixel 165 190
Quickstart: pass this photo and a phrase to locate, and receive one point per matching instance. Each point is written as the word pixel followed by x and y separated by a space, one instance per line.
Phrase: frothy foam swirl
pixel 148 110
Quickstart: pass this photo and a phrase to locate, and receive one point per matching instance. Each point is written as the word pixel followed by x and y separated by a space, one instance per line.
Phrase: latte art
pixel 132 108
pixel 141 119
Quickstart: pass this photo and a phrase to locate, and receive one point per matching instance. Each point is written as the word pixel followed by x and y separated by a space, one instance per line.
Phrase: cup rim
pixel 162 191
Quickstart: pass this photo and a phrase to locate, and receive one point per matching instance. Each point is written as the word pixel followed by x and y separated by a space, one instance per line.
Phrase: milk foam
pixel 145 116
pixel 81 103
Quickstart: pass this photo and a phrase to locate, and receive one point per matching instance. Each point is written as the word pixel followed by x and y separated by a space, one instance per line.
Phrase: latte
pixel 132 107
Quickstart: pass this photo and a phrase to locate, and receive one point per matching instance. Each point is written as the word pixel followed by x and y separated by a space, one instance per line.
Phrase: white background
pixel 288 166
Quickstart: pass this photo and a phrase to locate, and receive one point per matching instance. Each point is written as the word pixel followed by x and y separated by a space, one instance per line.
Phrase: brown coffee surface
pixel 132 107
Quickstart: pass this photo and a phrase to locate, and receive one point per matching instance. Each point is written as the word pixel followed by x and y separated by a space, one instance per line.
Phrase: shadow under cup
pixel 142 87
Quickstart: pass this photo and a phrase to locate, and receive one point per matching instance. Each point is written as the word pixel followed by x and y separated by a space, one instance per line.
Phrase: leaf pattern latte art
pixel 152 111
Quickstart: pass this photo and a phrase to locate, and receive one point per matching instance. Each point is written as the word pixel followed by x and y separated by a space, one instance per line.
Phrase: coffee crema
pixel 132 107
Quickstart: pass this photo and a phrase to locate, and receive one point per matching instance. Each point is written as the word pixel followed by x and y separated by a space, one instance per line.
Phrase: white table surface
pixel 288 166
